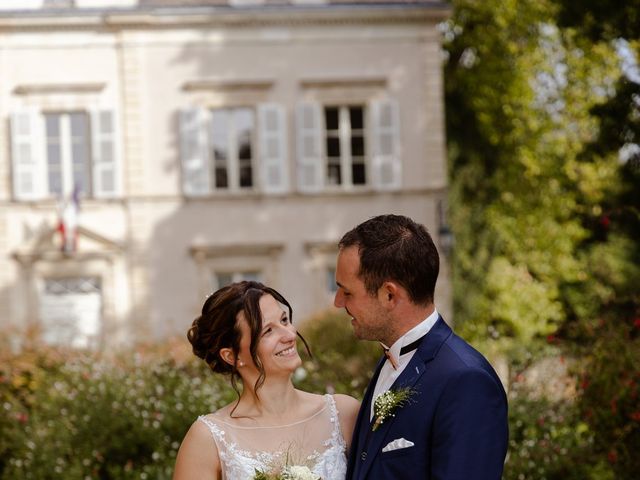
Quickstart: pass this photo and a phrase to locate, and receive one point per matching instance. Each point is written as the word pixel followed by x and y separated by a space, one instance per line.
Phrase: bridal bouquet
pixel 289 472
pixel 291 464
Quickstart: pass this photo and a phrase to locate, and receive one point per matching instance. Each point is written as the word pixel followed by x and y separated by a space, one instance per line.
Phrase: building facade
pixel 154 150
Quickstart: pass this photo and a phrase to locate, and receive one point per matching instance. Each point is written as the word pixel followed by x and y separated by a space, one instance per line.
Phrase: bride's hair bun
pixel 216 327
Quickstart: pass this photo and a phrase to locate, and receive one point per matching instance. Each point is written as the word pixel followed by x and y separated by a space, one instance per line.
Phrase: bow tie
pixel 406 349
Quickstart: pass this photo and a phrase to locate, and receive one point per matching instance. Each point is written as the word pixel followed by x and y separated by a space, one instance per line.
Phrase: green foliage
pixel 518 115
pixel 609 401
pixel 341 363
pixel 547 440
pixel 86 417
pixel 546 217
pixel 77 415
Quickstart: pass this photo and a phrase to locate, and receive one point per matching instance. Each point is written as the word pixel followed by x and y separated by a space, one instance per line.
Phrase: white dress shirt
pixel 388 374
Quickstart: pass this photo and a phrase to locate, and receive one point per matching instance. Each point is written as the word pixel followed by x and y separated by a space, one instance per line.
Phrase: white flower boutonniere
pixel 387 403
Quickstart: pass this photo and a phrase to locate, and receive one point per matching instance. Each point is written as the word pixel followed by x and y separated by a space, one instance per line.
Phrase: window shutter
pixel 196 177
pixel 386 164
pixel 309 132
pixel 104 154
pixel 28 155
pixel 272 131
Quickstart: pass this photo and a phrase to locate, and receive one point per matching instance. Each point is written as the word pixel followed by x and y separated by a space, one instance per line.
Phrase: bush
pixel 77 416
pixel 341 363
pixel 547 441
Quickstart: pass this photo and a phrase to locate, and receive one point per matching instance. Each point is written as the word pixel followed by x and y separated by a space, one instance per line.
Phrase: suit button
pixel 363 456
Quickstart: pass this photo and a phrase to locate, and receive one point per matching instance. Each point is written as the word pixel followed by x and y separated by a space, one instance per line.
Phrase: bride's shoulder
pixel 346 405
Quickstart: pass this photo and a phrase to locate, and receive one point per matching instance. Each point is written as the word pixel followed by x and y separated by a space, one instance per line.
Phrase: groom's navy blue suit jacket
pixel 457 418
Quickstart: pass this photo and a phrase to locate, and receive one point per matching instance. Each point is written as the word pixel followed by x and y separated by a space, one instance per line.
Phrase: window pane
pixel 251 276
pixel 332 288
pixel 358 173
pixel 357 146
pixel 333 147
pixel 80 151
pixel 54 154
pixel 331 118
pixel 357 118
pixel 244 127
pixel 246 178
pixel 334 174
pixel 221 180
pixel 220 134
pixel 223 279
pixel 79 124
pixel 243 123
pixel 220 147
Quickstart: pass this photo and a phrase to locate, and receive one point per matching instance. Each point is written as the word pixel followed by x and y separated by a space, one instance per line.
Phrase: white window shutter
pixel 28 155
pixel 105 154
pixel 310 147
pixel 386 163
pixel 272 131
pixel 196 175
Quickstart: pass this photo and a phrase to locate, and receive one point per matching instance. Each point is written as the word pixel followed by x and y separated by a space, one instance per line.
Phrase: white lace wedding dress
pixel 316 442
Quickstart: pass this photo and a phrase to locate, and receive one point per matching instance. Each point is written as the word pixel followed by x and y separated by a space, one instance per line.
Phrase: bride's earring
pixel 240 363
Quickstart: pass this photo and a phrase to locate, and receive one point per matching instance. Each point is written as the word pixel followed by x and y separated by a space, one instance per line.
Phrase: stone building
pixel 204 142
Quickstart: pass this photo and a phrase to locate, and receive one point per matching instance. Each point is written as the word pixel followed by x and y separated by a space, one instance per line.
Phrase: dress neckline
pixel 312 416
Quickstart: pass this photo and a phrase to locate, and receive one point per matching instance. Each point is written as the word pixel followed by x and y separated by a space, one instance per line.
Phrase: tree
pixel 541 206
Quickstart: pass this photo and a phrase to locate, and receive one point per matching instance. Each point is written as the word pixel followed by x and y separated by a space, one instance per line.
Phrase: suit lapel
pixel 408 378
pixel 363 424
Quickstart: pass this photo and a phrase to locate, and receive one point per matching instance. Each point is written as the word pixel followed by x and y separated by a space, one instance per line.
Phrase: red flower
pixel 636 322
pixel 612 456
pixel 635 416
pixel 605 221
pixel 614 406
pixel 551 338
pixel 22 417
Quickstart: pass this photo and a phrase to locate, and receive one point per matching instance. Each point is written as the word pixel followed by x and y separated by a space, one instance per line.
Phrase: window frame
pixel 30 157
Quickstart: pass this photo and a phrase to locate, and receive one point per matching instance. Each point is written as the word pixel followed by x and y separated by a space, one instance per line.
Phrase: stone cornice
pixel 258 249
pixel 35 89
pixel 228 84
pixel 163 18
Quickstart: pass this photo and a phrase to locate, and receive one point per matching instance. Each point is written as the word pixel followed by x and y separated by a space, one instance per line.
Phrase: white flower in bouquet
pixel 298 472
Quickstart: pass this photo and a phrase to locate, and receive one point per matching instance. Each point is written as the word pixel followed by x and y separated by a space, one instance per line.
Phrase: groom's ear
pixel 388 294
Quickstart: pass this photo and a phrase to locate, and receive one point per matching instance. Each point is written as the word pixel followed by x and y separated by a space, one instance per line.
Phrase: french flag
pixel 68 222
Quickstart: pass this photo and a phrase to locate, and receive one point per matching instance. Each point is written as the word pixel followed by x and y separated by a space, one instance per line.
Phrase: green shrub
pixel 547 441
pixel 341 363
pixel 92 418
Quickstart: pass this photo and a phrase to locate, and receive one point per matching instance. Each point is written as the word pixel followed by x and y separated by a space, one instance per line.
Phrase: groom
pixel 453 425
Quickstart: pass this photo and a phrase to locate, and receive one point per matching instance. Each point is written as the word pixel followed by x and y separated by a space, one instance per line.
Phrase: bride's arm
pixel 198 456
pixel 348 408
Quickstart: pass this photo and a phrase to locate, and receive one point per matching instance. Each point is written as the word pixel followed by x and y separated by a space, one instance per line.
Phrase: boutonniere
pixel 387 403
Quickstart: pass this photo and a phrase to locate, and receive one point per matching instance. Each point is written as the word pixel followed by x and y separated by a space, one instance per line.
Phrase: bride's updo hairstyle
pixel 217 326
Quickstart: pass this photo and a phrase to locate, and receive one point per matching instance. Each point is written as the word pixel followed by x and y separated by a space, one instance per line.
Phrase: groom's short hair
pixel 395 248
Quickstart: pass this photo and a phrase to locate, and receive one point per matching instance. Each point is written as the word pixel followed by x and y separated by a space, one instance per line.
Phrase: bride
pixel 246 331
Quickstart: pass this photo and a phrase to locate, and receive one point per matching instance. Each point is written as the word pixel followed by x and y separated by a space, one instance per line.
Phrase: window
pixel 70 311
pixel 68 153
pixel 55 152
pixel 332 288
pixel 234 149
pixel 231 139
pixel 221 279
pixel 345 145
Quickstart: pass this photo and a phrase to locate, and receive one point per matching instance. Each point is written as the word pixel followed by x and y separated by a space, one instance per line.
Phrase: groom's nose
pixel 338 300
